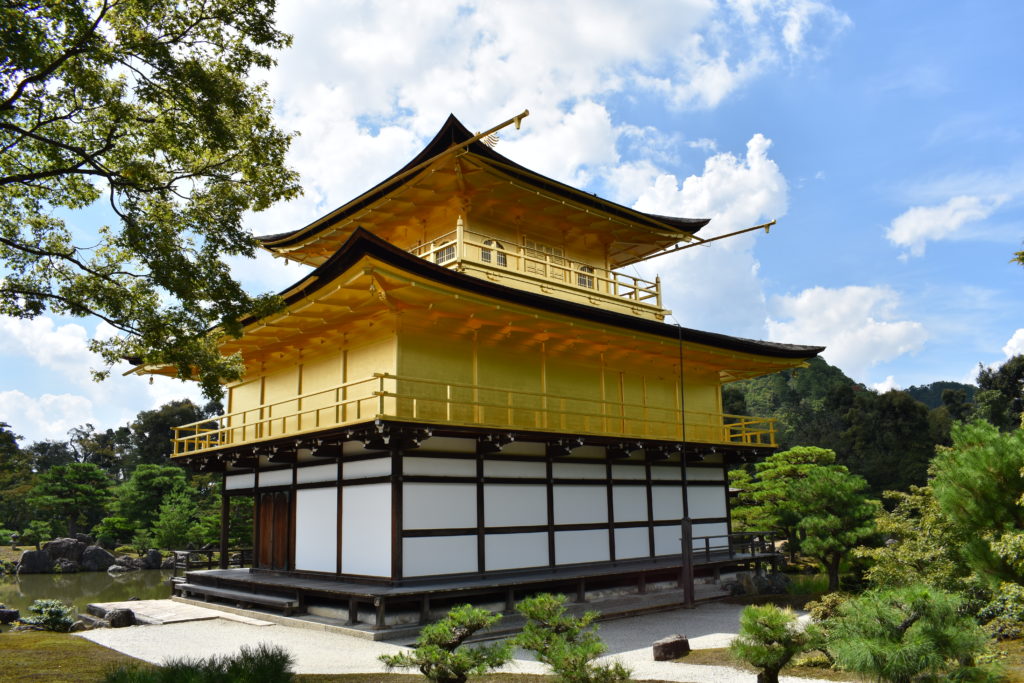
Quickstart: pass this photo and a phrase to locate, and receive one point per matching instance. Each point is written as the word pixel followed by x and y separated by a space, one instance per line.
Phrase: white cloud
pixel 49 416
pixel 60 348
pixel 366 82
pixel 858 325
pixel 888 384
pixel 920 224
pixel 45 355
pixel 1015 345
pixel 735 192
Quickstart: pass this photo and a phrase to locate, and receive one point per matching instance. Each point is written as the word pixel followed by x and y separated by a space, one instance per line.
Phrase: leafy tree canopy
pixel 148 106
pixel 978 486
pixel 1000 399
pixel 71 496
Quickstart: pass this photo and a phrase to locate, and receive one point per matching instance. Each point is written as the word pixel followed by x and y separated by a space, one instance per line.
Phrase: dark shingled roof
pixel 362 242
pixel 452 133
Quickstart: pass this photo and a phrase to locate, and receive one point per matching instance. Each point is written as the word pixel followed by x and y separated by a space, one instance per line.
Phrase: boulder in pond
pixel 8 616
pixel 65 548
pixel 86 539
pixel 35 562
pixel 129 562
pixel 96 559
pixel 152 560
pixel 118 569
pixel 65 566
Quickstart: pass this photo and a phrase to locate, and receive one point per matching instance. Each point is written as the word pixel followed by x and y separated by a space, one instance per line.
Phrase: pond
pixel 18 592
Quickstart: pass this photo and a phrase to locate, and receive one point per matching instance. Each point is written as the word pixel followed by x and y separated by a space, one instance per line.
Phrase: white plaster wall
pixel 438 555
pixel 515 505
pixel 516 551
pixel 276 478
pixel 316 473
pixel 581 504
pixel 706 501
pixel 438 506
pixel 366 530
pixel 705 474
pixel 718 529
pixel 316 529
pixel 572 547
pixel 571 470
pixel 512 468
pixel 449 467
pixel 361 469
pixel 631 543
pixel 629 503
pixel 240 481
pixel 666 540
pixel 668 502
pixel 629 472
pixel 665 472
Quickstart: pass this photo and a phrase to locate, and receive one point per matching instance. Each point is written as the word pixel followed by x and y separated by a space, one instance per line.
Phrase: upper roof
pixel 363 243
pixel 643 233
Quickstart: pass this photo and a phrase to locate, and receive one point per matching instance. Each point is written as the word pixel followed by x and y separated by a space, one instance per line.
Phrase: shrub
pixel 6 536
pixel 51 615
pixel 261 664
pixel 36 532
pixel 899 634
pixel 440 655
pixel 769 637
pixel 568 644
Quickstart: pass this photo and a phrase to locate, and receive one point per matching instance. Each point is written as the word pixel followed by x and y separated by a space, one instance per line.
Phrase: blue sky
pixel 885 137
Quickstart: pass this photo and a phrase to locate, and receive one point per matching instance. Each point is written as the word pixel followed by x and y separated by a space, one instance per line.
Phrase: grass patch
pixel 720 656
pixel 8 555
pixel 41 656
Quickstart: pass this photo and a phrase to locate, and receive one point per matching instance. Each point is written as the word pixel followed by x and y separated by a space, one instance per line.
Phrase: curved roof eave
pixel 453 133
pixel 364 243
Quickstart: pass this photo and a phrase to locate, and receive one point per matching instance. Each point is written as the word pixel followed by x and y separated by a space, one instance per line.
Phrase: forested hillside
pixel 887 438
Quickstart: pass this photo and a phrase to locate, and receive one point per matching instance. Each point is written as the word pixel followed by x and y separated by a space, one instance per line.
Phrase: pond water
pixel 18 592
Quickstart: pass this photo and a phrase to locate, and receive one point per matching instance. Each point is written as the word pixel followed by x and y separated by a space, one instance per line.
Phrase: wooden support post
pixel 686 577
pixel 641 583
pixel 424 610
pixel 353 612
pixel 581 590
pixel 225 515
pixel 718 574
pixel 379 604
pixel 510 600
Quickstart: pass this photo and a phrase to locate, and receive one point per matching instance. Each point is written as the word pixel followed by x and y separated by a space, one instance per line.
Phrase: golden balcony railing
pixel 539 264
pixel 386 396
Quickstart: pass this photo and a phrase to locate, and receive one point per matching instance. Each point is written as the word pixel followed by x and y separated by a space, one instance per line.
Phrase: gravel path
pixel 629 641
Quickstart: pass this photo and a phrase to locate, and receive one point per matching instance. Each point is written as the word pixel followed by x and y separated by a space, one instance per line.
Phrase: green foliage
pixel 440 654
pixel 149 106
pixel 16 479
pixel 71 497
pixel 175 527
pixel 113 531
pixel 946 394
pixel 769 637
pixel 50 615
pixel 899 634
pixel 568 644
pixel 887 440
pixel 922 546
pixel 263 663
pixel 1003 616
pixel 1000 398
pixel 765 501
pixel 139 498
pixel 837 516
pixel 47 454
pixel 151 432
pixel 36 532
pixel 6 536
pixel 978 487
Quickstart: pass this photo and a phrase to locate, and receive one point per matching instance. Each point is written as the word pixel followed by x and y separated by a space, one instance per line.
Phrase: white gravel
pixel 629 641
